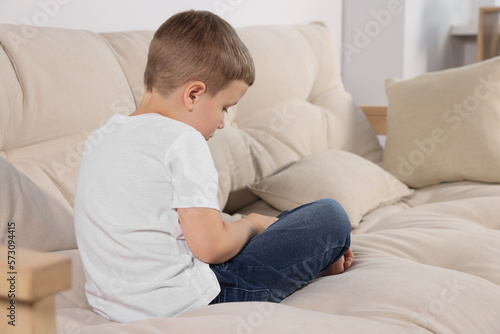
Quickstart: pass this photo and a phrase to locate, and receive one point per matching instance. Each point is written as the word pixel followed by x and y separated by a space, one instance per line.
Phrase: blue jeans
pixel 287 255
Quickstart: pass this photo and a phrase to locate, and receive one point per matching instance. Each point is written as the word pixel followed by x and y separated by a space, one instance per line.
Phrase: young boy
pixel 147 221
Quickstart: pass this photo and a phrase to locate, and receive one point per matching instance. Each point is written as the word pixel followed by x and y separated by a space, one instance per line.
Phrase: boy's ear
pixel 194 90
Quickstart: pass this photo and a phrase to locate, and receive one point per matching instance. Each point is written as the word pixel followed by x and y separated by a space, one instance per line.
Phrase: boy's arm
pixel 214 241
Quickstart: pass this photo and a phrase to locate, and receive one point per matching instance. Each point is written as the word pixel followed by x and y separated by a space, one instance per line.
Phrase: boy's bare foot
pixel 341 265
pixel 348 257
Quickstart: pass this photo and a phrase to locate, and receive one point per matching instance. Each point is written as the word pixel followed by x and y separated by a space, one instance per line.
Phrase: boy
pixel 147 221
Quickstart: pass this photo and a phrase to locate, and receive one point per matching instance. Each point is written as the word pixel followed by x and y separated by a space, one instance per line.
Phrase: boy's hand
pixel 261 222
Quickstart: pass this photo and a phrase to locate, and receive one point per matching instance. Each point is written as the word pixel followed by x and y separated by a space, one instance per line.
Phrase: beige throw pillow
pixel 445 126
pixel 356 183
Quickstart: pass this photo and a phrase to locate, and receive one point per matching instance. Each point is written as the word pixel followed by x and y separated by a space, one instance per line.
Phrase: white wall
pixel 476 4
pixel 371 48
pixel 427 43
pixel 118 15
pixel 398 39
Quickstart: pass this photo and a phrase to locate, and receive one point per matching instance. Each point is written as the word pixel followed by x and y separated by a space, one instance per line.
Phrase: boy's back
pixel 127 228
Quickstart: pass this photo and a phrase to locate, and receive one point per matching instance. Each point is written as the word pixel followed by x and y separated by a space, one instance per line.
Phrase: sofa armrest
pixel 30 280
pixel 376 115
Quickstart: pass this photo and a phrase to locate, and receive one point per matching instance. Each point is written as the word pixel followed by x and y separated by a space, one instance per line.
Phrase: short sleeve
pixel 194 177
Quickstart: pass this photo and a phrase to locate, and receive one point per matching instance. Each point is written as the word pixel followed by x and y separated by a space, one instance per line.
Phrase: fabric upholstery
pixel 356 183
pixel 427 263
pixel 417 268
pixel 78 79
pixel 43 218
pixel 444 126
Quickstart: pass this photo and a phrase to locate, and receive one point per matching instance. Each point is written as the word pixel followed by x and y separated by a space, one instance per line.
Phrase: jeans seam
pixel 315 256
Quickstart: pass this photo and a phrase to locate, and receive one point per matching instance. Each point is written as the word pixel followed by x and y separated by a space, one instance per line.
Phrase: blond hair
pixel 197 45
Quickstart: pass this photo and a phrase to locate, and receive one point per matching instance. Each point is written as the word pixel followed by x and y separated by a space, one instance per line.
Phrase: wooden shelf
pixel 464 31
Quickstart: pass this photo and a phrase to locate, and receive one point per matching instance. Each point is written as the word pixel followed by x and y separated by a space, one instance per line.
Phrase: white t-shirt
pixel 135 172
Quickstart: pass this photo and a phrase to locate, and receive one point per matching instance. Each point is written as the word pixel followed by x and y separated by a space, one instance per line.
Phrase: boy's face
pixel 210 110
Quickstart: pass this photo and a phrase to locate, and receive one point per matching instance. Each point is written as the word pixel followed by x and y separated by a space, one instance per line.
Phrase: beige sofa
pixel 427 259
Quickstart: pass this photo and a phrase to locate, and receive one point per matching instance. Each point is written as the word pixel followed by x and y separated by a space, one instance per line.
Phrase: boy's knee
pixel 331 206
pixel 336 215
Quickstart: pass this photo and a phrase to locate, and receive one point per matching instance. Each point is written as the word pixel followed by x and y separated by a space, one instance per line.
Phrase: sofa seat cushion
pixel 415 270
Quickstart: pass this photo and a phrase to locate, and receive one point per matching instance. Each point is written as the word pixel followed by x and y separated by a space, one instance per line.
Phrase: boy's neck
pixel 155 103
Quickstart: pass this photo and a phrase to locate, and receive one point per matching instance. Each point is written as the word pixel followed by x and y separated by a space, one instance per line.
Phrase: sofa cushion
pixel 233 160
pixel 298 62
pixel 11 95
pixel 444 126
pixel 42 218
pixel 78 79
pixel 298 106
pixel 56 99
pixel 131 51
pixel 356 183
pixel 69 87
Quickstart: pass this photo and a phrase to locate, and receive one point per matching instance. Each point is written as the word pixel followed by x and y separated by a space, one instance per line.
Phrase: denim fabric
pixel 287 255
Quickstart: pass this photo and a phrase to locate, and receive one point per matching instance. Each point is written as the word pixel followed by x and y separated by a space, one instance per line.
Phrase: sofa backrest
pixel 58 85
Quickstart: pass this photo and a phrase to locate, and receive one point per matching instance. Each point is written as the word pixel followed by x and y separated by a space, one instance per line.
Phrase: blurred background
pixel 376 39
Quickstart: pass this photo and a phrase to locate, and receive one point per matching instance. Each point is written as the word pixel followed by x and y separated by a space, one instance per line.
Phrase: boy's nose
pixel 221 124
